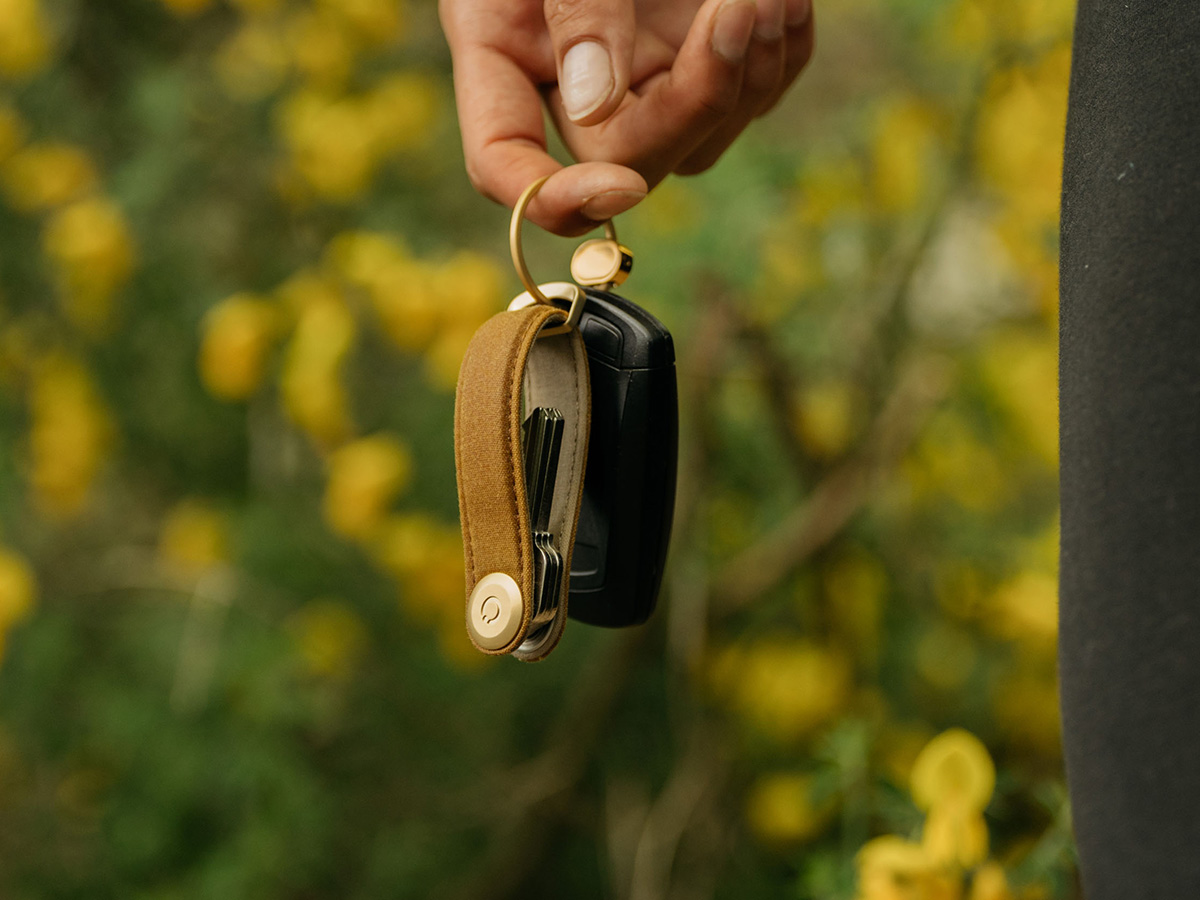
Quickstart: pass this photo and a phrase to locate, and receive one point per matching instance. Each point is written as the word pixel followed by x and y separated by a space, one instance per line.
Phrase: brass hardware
pixel 549 292
pixel 495 611
pixel 601 262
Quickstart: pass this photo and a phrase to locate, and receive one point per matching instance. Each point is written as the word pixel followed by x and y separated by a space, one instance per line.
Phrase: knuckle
pixel 565 14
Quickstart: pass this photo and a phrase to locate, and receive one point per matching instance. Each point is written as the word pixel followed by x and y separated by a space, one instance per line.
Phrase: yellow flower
pixel 363 258
pixel 401 110
pixel 950 459
pixel 375 22
pixel 902 154
pixel 187 7
pixel 12 130
pixel 426 557
pixel 955 836
pixel 89 245
pixel 856 586
pixel 18 588
pixel 69 435
pixel 42 176
pixel 786 689
pixel 24 38
pixel 330 638
pixel 321 47
pixel 954 767
pixel 364 477
pixel 830 189
pixel 194 537
pixel 1021 371
pixel 891 868
pixel 333 144
pixel 409 304
pixel 237 337
pixel 253 62
pixel 444 357
pixel 1026 609
pixel 1020 134
pixel 827 417
pixel 781 809
pixel 990 883
pixel 313 393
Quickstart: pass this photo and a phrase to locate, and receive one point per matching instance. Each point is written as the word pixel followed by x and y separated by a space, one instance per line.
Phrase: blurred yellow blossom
pixel 425 556
pixel 781 808
pixel 831 188
pixel 891 868
pixel 329 636
pixel 401 110
pixel 194 537
pixel 363 257
pixel 252 62
pixel 954 767
pixel 1025 609
pixel 990 883
pixel 18 588
pixel 955 835
pixel 409 305
pixel 827 417
pixel 69 436
pixel 237 336
pixel 92 252
pixel 1021 370
pixel 375 22
pixel 321 47
pixel 444 357
pixel 951 459
pixel 856 585
pixel 41 176
pixel 24 38
pixel 364 477
pixel 1020 134
pixel 903 151
pixel 786 689
pixel 313 393
pixel 333 144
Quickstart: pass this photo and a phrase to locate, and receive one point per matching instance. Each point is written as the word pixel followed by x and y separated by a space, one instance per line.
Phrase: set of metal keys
pixel 543 436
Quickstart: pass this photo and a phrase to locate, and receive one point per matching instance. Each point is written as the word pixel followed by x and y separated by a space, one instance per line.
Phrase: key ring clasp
pixel 577 297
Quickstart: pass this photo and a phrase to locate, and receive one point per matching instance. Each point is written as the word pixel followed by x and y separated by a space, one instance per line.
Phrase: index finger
pixel 504 142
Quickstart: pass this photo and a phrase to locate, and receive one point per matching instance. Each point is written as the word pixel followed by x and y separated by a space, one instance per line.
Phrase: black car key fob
pixel 629 486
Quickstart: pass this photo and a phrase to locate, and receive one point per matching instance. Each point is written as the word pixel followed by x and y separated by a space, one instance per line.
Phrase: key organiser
pixel 566 434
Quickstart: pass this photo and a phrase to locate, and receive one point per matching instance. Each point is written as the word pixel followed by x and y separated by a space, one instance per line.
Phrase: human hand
pixel 637 88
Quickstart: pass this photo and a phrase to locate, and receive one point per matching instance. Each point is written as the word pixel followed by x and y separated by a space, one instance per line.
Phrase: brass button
pixel 495 611
pixel 601 262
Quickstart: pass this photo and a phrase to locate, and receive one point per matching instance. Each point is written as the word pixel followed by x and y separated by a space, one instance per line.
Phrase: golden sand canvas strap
pixel 511 365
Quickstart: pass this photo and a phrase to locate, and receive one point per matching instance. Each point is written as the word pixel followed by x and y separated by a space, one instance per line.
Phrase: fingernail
pixel 768 22
pixel 732 29
pixel 604 206
pixel 798 12
pixel 586 80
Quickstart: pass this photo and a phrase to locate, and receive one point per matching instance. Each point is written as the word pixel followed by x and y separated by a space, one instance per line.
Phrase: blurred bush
pixel 240 265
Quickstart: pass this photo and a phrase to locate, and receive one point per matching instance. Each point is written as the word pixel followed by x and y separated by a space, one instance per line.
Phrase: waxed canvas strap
pixel 507 363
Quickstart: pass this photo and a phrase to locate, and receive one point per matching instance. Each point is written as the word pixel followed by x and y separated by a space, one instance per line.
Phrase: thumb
pixel 593 48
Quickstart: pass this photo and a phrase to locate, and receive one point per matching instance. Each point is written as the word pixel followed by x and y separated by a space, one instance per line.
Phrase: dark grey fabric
pixel 1130 431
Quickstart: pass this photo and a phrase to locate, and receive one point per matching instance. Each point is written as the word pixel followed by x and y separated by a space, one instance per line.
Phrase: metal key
pixel 543 444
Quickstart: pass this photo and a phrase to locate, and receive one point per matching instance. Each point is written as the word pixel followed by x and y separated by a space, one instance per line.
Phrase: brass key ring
pixel 518 255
